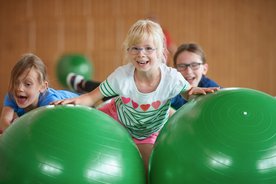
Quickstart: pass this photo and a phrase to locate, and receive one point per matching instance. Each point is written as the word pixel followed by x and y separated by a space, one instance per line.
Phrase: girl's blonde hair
pixel 26 63
pixel 143 30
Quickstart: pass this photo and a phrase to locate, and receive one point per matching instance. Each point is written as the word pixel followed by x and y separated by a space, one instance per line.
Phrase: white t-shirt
pixel 143 113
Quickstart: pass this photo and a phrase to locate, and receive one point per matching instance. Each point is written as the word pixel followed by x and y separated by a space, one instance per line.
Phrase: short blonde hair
pixel 143 30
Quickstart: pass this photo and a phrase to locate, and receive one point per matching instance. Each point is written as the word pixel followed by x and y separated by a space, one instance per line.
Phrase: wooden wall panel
pixel 238 36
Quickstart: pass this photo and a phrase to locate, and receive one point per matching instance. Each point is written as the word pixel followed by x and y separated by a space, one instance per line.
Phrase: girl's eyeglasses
pixel 193 66
pixel 136 50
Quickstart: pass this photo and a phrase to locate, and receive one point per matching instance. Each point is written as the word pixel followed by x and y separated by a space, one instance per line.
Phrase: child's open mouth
pixel 21 99
pixel 142 62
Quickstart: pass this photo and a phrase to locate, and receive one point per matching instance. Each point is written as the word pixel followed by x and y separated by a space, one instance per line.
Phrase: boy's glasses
pixel 193 66
pixel 137 50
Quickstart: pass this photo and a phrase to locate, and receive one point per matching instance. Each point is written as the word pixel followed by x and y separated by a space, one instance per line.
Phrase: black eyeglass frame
pixel 193 66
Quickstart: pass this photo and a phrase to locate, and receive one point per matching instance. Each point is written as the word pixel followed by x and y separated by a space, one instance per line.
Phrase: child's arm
pixel 87 99
pixel 197 91
pixel 171 112
pixel 7 117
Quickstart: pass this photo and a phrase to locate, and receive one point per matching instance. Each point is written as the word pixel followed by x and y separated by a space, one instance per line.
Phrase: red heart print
pixel 145 107
pixel 156 104
pixel 125 100
pixel 134 104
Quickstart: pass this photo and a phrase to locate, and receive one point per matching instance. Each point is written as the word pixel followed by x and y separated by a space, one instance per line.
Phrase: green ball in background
pixel 228 137
pixel 69 144
pixel 76 63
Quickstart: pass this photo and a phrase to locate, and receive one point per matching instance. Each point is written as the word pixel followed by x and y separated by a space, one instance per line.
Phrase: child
pixel 144 87
pixel 190 61
pixel 28 89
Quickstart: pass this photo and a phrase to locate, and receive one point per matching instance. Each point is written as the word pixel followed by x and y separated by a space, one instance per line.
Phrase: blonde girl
pixel 143 87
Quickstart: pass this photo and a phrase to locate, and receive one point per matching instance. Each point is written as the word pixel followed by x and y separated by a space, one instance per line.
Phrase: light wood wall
pixel 238 36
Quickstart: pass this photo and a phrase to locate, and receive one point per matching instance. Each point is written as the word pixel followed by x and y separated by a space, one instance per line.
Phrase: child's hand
pixel 87 99
pixel 198 90
pixel 65 101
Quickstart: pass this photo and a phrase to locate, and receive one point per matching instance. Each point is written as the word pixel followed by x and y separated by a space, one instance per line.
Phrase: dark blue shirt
pixel 205 82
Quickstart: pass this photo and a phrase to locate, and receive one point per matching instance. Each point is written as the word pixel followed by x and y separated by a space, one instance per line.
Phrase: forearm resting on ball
pixel 87 99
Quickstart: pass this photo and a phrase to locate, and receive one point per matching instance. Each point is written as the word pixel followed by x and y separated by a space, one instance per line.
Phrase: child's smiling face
pixel 193 76
pixel 27 89
pixel 144 56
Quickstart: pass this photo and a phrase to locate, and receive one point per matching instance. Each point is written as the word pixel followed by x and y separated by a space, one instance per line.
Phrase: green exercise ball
pixel 227 137
pixel 76 63
pixel 69 144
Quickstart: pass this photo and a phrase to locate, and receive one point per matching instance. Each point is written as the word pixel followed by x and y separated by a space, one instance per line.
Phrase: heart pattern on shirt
pixel 125 100
pixel 134 104
pixel 156 104
pixel 145 107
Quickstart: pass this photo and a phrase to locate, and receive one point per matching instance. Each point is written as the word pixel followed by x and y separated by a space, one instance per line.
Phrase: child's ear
pixel 205 68
pixel 44 86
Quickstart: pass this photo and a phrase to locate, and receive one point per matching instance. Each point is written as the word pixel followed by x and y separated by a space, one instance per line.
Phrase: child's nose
pixel 20 87
pixel 189 69
pixel 141 51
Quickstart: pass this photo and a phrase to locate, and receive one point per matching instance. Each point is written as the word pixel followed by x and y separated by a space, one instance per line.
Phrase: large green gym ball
pixel 228 137
pixel 69 144
pixel 75 63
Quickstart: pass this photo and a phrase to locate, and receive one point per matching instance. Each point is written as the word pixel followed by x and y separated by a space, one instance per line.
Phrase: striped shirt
pixel 143 113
